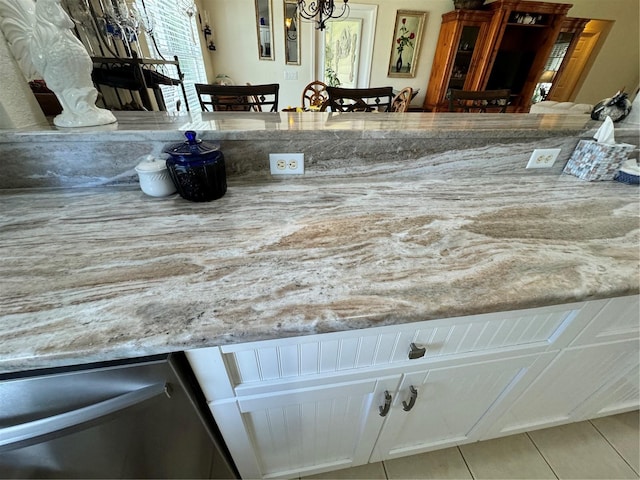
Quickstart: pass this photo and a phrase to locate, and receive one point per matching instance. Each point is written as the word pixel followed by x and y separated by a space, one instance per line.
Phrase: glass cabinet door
pixel 552 66
pixel 463 55
pixel 463 44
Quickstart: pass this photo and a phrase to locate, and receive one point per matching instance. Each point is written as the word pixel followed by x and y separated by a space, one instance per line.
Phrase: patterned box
pixel 597 161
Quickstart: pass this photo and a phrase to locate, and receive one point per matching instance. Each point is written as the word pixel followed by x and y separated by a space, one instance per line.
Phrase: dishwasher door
pixel 133 420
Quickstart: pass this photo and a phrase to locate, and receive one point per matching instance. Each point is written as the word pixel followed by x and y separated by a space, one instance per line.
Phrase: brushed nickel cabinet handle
pixel 387 404
pixel 412 401
pixel 416 352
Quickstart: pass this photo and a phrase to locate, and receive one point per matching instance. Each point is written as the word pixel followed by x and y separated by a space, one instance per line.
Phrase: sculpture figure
pixel 39 36
pixel 616 107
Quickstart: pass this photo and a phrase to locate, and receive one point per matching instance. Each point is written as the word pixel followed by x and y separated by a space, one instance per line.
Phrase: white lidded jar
pixel 154 177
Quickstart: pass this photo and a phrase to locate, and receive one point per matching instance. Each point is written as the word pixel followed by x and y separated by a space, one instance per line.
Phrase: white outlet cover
pixel 294 163
pixel 543 157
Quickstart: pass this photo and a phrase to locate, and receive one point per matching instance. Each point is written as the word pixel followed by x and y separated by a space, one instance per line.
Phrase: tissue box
pixel 597 161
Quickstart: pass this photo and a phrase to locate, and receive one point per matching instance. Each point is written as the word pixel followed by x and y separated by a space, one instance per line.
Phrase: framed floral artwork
pixel 405 49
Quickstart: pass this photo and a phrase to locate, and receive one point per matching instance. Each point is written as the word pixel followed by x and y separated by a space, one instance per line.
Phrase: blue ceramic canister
pixel 197 169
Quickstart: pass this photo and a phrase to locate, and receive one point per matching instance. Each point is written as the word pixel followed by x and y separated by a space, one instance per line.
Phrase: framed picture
pixel 405 48
pixel 341 46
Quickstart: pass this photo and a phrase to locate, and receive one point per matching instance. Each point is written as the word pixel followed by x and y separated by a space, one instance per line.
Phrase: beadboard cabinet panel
pixel 299 406
pixel 449 404
pixel 618 319
pixel 597 375
pixel 618 396
pixel 559 395
pixel 306 430
pixel 343 352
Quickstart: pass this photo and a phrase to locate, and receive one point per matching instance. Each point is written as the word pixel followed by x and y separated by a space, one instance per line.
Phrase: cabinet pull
pixel 387 404
pixel 416 352
pixel 412 401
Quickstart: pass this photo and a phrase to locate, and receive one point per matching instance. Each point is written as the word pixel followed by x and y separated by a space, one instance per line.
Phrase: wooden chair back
pixel 467 101
pixel 314 95
pixel 402 100
pixel 360 99
pixel 242 98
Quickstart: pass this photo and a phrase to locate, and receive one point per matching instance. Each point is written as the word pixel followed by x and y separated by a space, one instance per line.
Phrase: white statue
pixel 39 36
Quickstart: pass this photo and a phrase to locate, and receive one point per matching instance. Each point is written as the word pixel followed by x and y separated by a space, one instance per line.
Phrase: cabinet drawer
pixel 616 319
pixel 342 352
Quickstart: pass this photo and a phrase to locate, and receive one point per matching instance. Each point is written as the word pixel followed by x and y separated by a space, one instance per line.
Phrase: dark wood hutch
pixel 504 45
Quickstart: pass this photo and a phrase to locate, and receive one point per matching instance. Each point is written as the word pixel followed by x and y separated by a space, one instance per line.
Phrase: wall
pixel 237 56
pixel 616 63
pixel 234 33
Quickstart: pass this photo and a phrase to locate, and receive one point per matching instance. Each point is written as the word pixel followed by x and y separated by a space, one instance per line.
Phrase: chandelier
pixel 321 10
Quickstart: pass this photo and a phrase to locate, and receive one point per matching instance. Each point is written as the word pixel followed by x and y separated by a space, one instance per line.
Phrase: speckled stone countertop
pixel 102 273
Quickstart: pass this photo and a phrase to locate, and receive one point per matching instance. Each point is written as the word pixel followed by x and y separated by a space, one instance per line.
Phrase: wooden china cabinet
pixel 504 45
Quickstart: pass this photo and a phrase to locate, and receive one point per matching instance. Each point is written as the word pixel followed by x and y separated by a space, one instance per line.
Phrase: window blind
pixel 176 33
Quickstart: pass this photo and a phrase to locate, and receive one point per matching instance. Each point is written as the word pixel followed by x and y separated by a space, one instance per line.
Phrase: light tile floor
pixel 604 448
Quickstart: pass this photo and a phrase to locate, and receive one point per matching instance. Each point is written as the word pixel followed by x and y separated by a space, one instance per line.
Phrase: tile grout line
pixel 465 462
pixel 384 469
pixel 613 446
pixel 542 455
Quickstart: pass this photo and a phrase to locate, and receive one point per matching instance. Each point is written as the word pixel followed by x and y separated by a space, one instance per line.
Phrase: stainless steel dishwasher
pixel 142 418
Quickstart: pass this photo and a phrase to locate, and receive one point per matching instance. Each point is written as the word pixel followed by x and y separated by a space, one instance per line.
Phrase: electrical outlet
pixel 286 163
pixel 543 157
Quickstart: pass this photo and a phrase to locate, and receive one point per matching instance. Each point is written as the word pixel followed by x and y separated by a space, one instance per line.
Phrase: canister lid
pixel 192 147
pixel 151 164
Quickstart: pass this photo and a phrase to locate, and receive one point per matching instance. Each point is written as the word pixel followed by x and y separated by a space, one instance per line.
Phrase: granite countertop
pixel 102 273
pixel 243 125
pixel 108 154
pixel 369 236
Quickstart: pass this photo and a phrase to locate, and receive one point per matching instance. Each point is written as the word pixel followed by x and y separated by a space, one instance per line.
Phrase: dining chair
pixel 467 101
pixel 376 99
pixel 401 101
pixel 242 98
pixel 314 95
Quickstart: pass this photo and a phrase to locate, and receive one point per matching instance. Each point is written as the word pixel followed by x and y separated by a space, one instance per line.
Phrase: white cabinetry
pixel 305 405
pixel 596 375
pixel 449 403
pixel 612 319
pixel 302 430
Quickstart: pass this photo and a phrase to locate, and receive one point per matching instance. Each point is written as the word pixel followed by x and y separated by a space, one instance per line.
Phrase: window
pixel 173 26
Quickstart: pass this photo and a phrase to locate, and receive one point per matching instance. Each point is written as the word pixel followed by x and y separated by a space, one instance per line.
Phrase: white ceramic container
pixel 154 177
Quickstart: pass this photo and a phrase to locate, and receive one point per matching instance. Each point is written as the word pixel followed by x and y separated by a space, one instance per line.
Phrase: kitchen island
pixel 95 270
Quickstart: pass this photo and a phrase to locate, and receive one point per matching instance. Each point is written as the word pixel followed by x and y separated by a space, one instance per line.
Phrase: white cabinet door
pixel 569 387
pixel 450 403
pixel 620 395
pixel 617 319
pixel 303 431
